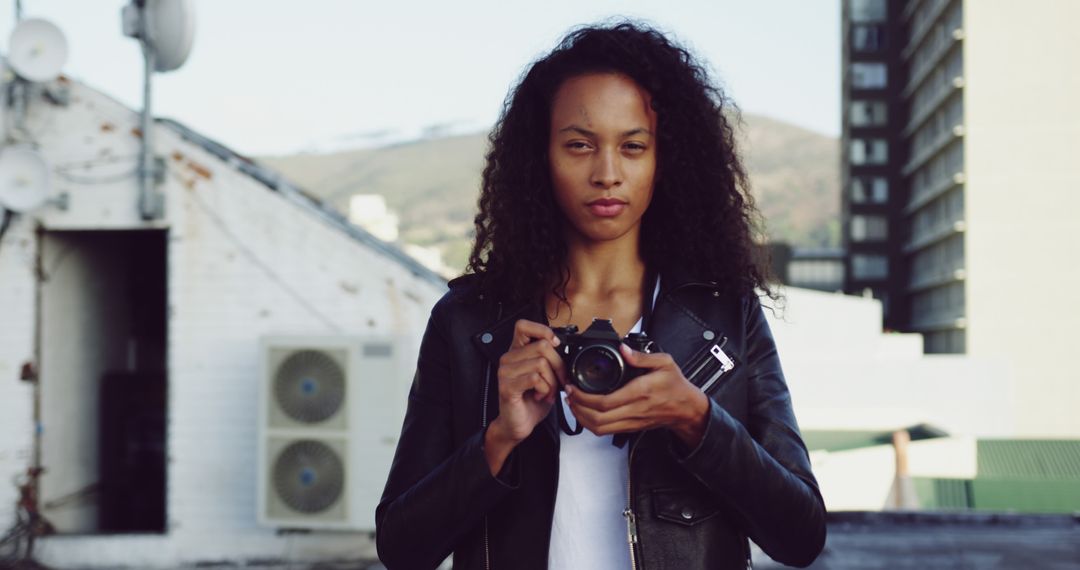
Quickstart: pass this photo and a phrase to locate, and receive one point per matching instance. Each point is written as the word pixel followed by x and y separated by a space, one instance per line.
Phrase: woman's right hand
pixel 529 376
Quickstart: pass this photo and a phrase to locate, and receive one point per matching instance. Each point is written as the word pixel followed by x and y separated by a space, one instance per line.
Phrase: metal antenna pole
pixel 148 206
pixel 151 204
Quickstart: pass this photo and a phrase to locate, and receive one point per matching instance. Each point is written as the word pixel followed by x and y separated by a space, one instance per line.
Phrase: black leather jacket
pixel 749 477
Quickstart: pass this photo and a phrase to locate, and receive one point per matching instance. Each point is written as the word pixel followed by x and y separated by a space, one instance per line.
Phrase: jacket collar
pixel 494 339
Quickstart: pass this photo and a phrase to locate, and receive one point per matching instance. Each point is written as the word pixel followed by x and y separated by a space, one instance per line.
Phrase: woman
pixel 612 190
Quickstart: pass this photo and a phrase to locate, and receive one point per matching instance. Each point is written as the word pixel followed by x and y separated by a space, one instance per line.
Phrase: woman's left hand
pixel 662 397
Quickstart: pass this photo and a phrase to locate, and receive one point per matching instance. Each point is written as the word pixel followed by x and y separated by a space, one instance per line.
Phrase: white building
pixel 370 212
pixel 847 379
pixel 968 218
pixel 173 311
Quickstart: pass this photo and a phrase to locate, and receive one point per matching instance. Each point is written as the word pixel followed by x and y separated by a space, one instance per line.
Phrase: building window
pixel 867 38
pixel 869 151
pixel 863 11
pixel 869 190
pixel 868 113
pixel 822 274
pixel 868 75
pixel 869 266
pixel 869 228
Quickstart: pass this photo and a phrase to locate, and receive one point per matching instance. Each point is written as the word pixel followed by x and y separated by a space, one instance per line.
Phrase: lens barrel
pixel 598 368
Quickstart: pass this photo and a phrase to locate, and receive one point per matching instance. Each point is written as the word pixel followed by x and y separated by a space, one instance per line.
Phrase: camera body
pixel 593 361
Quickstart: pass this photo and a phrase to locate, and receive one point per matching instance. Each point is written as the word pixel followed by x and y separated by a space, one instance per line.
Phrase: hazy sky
pixel 276 76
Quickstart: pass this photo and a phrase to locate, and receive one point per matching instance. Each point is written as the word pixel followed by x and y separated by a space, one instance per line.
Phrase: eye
pixel 634 147
pixel 578 146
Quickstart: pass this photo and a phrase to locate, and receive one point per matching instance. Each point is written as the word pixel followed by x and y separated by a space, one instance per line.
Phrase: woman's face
pixel 602 153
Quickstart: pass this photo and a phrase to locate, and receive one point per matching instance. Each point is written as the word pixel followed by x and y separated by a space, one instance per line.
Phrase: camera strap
pixel 651 277
pixel 564 424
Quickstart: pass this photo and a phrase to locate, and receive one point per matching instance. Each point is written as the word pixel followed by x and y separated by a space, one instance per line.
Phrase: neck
pixel 601 268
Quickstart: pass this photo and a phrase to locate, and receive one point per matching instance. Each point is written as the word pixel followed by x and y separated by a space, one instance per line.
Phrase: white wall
pixel 18 254
pixel 1022 146
pixel 844 373
pixel 243 261
pixel 862 479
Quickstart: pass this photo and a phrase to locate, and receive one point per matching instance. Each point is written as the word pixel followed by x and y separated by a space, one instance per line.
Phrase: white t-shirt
pixel 588 529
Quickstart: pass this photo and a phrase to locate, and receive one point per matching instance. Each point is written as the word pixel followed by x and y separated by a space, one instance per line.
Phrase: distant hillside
pixel 432 184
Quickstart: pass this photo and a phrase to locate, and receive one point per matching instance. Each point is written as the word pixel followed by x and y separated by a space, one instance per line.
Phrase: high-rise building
pixel 961 175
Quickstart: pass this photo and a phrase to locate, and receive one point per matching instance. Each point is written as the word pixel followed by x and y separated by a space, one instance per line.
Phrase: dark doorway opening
pixel 104 385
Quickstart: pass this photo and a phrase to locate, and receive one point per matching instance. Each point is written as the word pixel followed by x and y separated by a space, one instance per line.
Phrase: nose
pixel 607 172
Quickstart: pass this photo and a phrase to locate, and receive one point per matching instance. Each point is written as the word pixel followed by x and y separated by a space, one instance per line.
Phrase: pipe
pixel 150 205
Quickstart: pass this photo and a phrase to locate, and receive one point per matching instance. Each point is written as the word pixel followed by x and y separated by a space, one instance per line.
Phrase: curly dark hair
pixel 701 218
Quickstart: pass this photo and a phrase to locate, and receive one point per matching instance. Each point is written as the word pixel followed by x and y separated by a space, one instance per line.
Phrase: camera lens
pixel 598 369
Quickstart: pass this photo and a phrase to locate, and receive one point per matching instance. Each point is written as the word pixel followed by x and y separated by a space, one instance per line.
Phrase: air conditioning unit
pixel 328 424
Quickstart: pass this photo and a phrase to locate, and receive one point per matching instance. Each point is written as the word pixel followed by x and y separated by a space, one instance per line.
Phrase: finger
pixel 543 349
pixel 638 410
pixel 615 421
pixel 535 381
pixel 555 362
pixel 625 426
pixel 526 331
pixel 630 392
pixel 646 360
pixel 536 365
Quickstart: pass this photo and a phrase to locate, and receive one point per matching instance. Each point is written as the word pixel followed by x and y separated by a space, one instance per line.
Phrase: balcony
pixel 920 198
pixel 928 151
pixel 934 235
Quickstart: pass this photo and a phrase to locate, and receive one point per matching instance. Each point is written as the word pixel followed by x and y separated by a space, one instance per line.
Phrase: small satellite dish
pixel 24 179
pixel 170 31
pixel 37 50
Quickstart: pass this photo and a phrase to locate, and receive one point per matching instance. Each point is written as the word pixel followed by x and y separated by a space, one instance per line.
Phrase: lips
pixel 606 207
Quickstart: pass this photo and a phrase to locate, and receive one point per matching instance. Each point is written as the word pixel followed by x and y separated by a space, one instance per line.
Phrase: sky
pixel 285 76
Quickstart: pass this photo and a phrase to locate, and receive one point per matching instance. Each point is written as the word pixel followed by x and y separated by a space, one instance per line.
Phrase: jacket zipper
pixel 483 425
pixel 632 538
pixel 726 363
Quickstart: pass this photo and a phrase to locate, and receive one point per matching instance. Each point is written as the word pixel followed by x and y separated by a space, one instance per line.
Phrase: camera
pixel 592 357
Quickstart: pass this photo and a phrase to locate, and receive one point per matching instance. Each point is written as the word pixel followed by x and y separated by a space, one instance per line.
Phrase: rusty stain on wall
pixel 200 170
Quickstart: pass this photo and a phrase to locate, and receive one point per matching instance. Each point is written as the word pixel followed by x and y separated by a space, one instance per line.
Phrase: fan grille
pixel 309 476
pixel 309 386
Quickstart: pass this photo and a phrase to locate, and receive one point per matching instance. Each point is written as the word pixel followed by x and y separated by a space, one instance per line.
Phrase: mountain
pixel 432 184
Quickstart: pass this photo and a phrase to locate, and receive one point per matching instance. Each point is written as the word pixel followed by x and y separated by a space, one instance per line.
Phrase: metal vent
pixel 309 476
pixel 309 386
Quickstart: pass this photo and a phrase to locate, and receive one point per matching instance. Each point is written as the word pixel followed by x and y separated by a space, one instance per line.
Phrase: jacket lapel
pixel 674 327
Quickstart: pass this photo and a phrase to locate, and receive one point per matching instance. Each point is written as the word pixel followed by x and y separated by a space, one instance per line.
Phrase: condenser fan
pixel 309 386
pixel 309 476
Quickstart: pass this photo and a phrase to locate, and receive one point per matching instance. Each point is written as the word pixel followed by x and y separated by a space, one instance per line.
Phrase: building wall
pixel 18 255
pixel 934 212
pixel 845 374
pixel 243 261
pixel 1022 145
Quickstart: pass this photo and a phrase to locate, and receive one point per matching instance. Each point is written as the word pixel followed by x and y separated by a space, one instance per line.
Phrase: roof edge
pixel 275 181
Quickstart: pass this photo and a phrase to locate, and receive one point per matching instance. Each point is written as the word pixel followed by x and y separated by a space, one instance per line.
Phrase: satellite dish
pixel 170 31
pixel 37 50
pixel 24 179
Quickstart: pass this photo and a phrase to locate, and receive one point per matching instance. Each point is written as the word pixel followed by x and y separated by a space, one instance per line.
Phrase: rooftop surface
pixel 925 540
